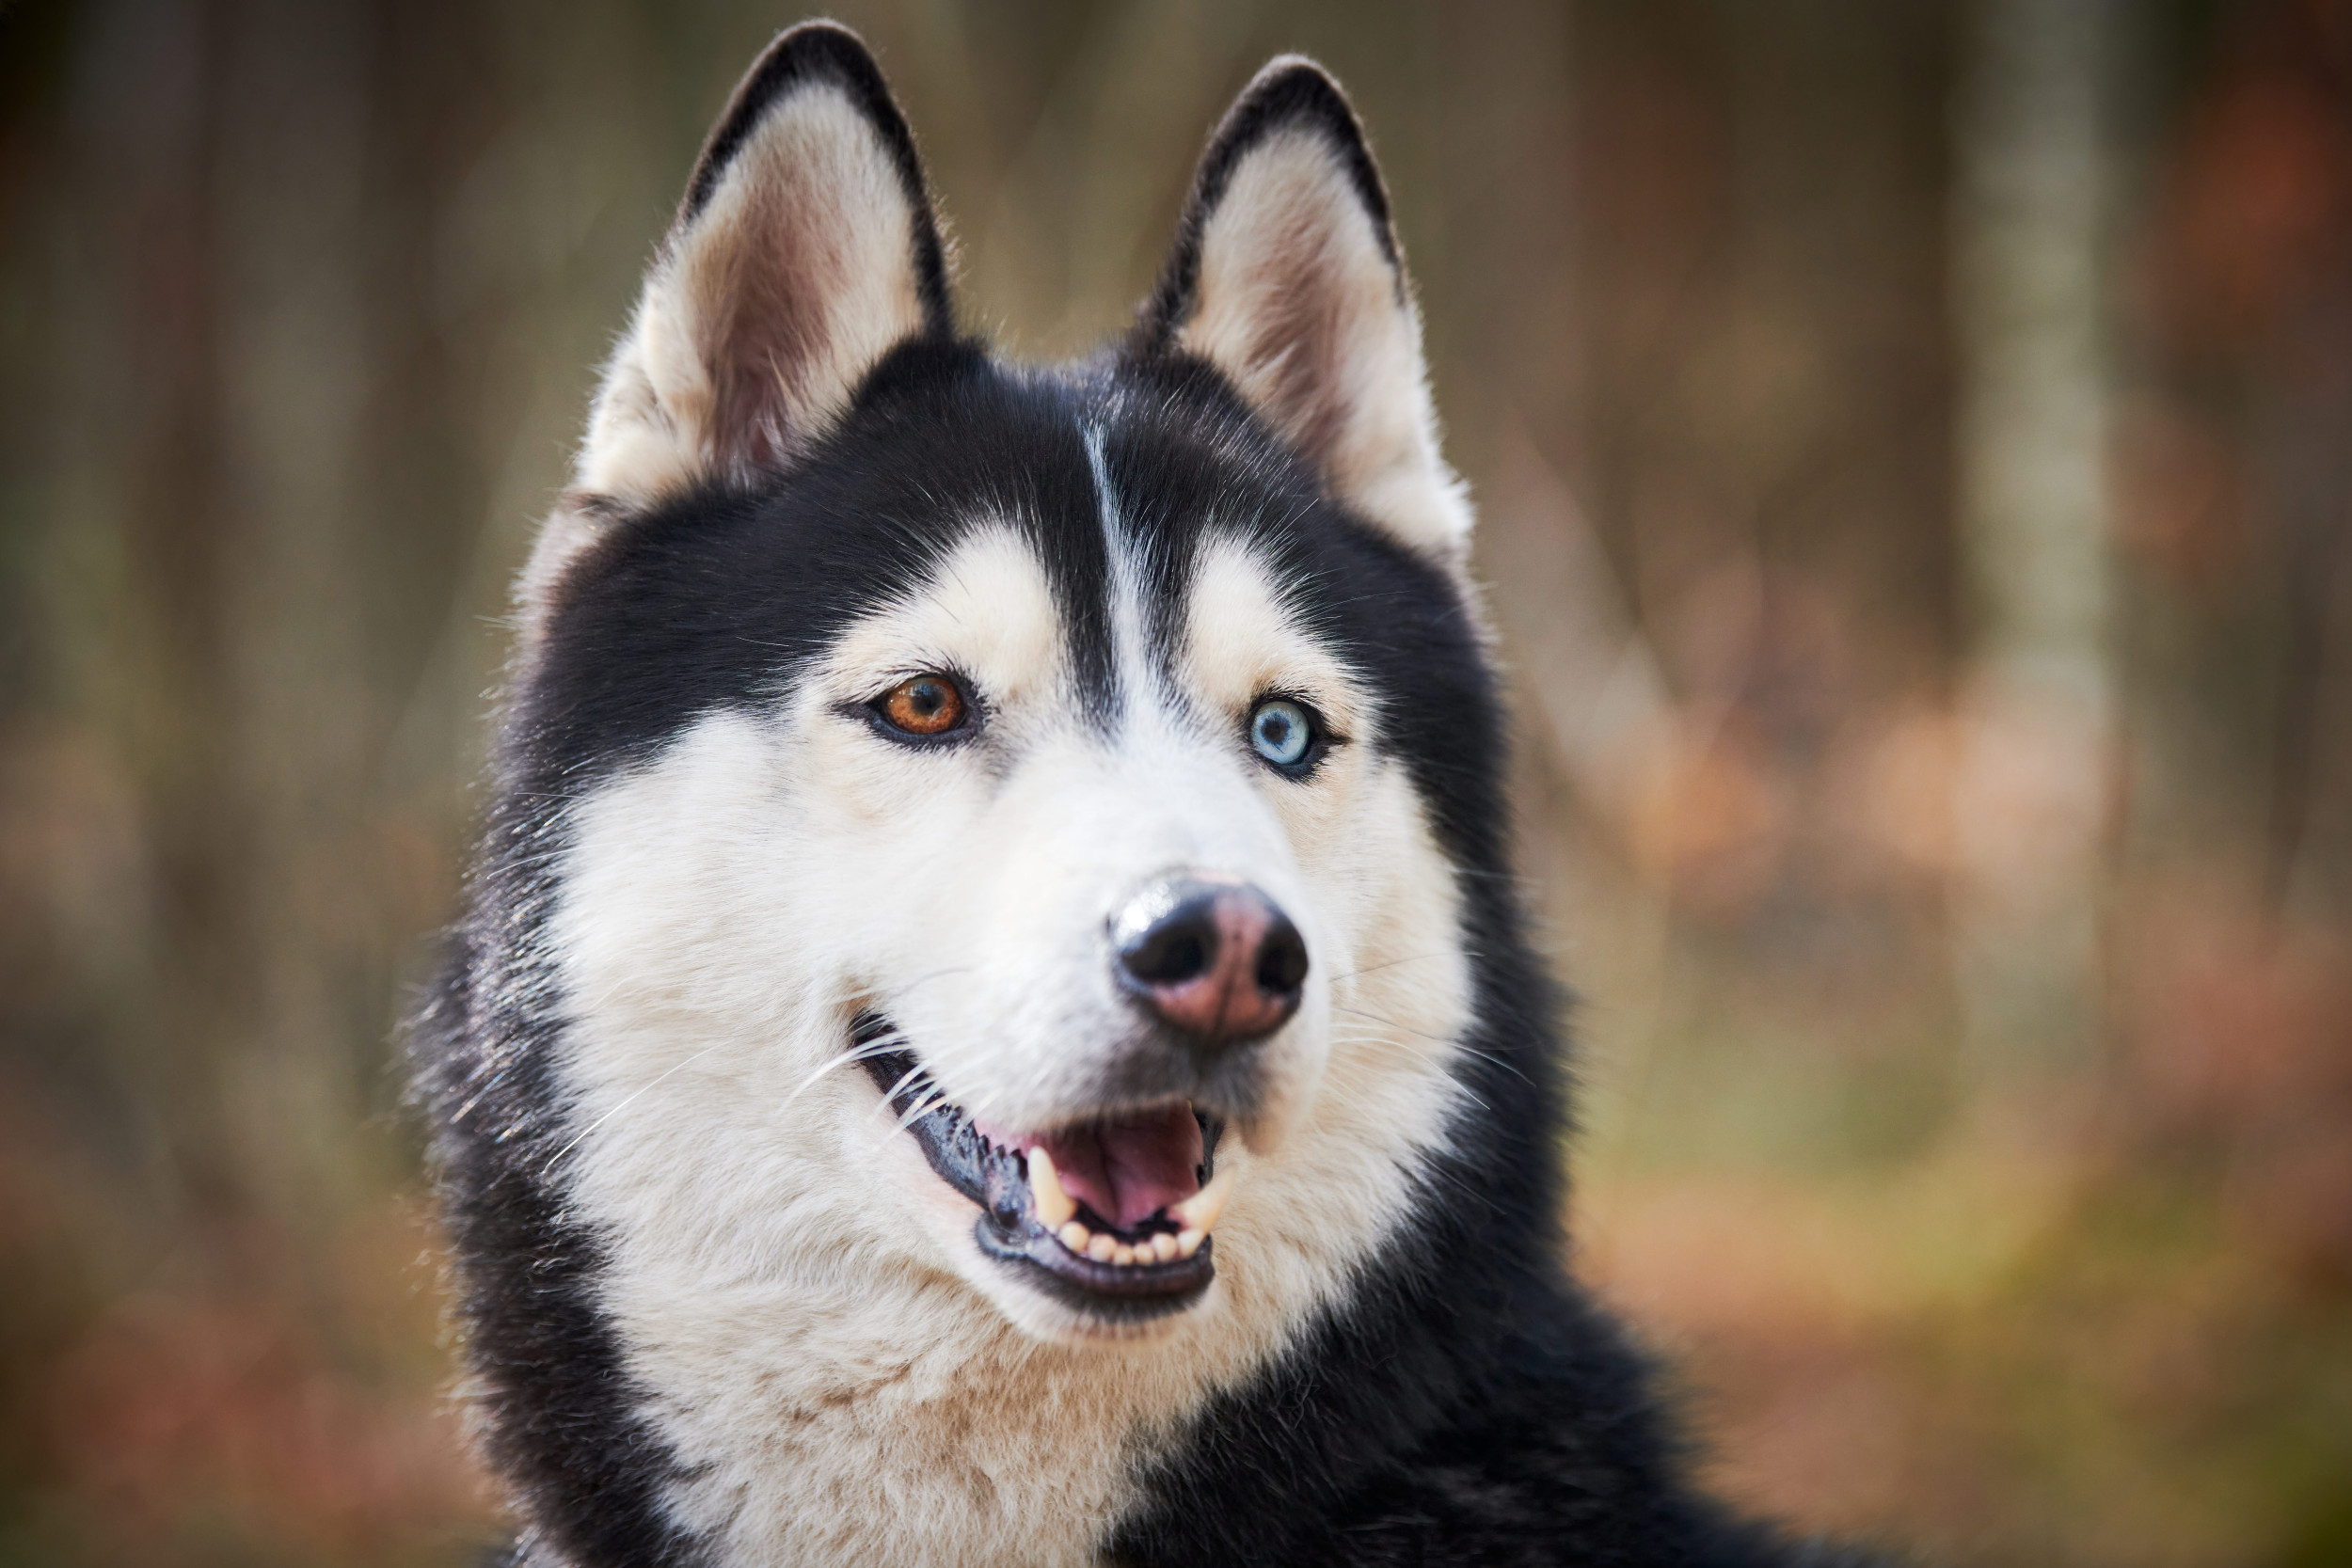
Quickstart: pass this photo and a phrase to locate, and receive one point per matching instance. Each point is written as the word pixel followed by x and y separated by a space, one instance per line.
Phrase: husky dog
pixel 994 1025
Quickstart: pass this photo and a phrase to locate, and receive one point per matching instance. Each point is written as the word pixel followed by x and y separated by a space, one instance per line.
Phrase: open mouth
pixel 1110 1216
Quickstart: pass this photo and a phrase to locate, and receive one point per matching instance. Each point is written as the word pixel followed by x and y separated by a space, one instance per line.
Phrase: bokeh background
pixel 1913 440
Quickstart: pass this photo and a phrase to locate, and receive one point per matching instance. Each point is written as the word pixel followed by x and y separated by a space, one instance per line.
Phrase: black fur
pixel 557 1416
pixel 1469 1404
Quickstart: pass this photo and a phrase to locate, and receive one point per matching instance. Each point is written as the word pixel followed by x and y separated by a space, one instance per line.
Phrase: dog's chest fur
pixel 869 1425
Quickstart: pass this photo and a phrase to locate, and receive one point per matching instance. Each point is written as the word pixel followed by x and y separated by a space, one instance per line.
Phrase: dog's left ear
pixel 1286 277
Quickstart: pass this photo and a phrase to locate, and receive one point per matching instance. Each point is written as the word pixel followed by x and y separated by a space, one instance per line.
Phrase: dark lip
pixel 1007 1228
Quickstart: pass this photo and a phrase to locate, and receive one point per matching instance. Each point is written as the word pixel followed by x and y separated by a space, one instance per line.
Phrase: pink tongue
pixel 1128 1169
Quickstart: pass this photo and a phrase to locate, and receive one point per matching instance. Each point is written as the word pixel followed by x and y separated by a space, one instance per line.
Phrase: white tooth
pixel 1123 1255
pixel 1101 1248
pixel 1188 1243
pixel 1163 1247
pixel 1075 1236
pixel 1200 1212
pixel 1054 1206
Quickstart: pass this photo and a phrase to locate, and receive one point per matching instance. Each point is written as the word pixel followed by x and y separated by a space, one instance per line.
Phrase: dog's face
pixel 1004 835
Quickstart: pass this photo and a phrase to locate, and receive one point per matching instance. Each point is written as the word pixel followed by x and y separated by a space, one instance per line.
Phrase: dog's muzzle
pixel 1111 1214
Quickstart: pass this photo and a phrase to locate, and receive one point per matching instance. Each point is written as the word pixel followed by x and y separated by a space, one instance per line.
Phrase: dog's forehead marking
pixel 1136 681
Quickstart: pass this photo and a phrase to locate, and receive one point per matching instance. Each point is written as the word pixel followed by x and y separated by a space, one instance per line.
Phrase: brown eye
pixel 922 704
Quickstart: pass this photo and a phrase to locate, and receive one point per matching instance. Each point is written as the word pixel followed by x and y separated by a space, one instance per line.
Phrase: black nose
pixel 1219 961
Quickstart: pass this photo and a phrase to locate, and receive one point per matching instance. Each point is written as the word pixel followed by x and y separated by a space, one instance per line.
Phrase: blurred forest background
pixel 1913 440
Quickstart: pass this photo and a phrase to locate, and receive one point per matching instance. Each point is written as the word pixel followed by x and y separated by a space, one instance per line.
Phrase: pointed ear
pixel 1286 277
pixel 805 251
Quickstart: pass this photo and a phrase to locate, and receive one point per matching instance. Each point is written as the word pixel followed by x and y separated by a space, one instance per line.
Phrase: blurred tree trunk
pixel 2033 189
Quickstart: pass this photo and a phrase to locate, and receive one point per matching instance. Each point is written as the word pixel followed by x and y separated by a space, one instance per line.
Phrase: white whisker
pixel 1409 959
pixel 882 1045
pixel 624 1104
pixel 923 1108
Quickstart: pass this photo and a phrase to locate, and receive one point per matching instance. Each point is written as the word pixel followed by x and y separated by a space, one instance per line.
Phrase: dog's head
pixel 1005 826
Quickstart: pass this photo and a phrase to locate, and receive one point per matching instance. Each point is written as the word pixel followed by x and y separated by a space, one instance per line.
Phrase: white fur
pixel 844 1376
pixel 1300 306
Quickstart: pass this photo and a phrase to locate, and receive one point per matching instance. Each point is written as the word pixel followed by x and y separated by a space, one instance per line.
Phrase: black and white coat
pixel 719 1304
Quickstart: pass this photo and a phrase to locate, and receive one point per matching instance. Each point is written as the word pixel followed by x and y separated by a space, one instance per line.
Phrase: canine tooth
pixel 1074 1236
pixel 1101 1248
pixel 1122 1255
pixel 1200 1212
pixel 1054 1206
pixel 1163 1247
pixel 1188 1243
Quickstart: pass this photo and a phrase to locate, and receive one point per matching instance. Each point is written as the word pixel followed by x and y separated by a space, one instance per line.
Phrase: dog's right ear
pixel 805 251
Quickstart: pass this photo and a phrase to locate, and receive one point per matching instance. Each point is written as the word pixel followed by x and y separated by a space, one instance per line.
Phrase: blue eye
pixel 1281 732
